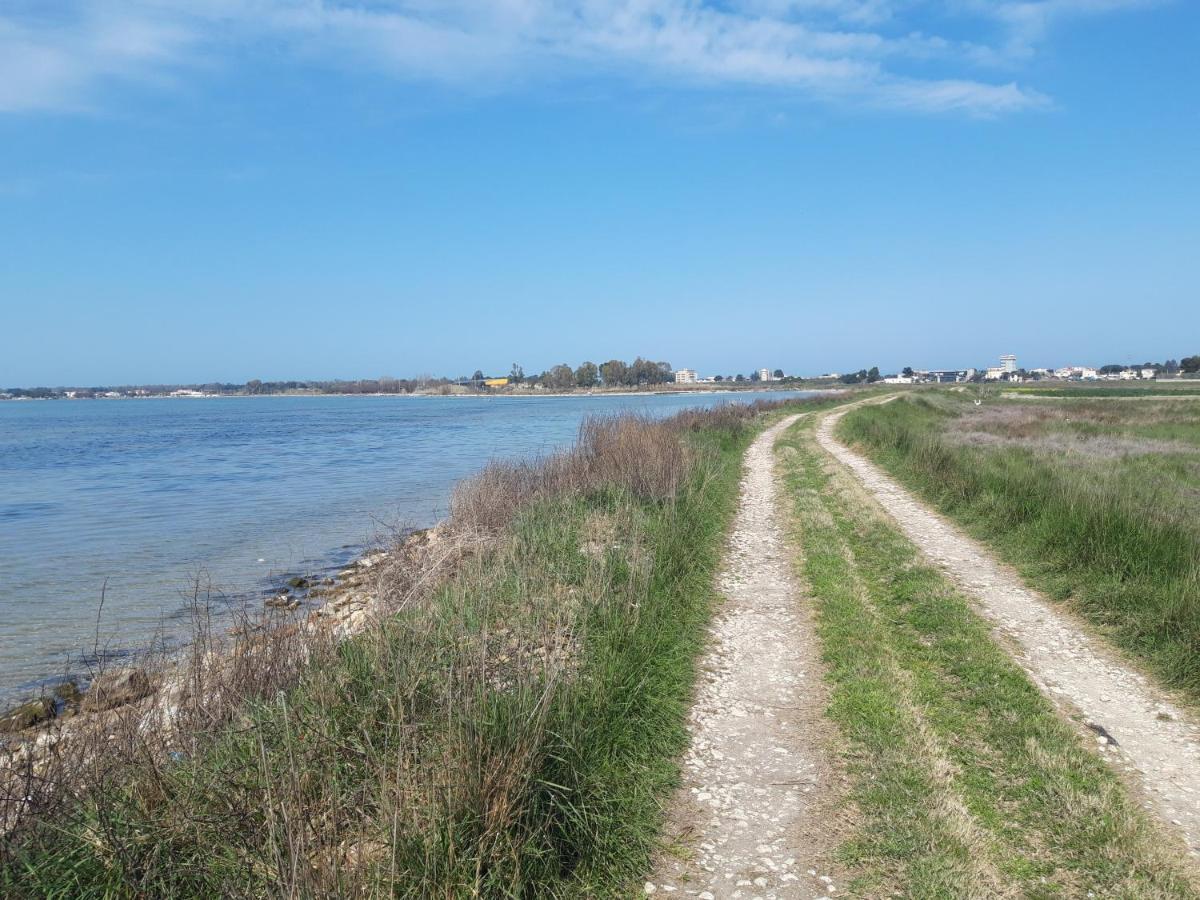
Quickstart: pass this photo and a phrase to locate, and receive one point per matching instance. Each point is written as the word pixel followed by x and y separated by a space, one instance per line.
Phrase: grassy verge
pixel 512 734
pixel 1094 503
pixel 967 783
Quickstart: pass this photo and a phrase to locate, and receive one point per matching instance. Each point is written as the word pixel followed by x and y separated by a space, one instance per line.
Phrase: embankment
pixel 501 710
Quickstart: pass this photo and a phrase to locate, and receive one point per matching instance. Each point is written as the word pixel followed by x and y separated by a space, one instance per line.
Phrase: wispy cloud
pixel 860 51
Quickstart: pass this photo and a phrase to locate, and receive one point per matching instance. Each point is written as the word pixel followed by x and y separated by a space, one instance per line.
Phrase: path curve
pixel 755 766
pixel 1147 735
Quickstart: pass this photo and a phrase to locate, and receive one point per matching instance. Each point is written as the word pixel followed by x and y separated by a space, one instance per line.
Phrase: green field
pixel 1095 501
pixel 1181 388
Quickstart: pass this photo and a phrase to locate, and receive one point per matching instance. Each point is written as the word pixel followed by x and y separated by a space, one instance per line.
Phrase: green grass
pixel 1115 534
pixel 515 736
pixel 966 782
pixel 1114 390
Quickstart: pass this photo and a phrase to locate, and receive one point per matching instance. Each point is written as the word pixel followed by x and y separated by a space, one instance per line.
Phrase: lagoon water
pixel 144 500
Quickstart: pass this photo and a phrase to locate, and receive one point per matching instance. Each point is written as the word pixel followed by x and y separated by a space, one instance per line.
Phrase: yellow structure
pixel 495 382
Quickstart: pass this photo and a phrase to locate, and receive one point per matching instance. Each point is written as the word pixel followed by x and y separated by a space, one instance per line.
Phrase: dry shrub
pixel 195 693
pixel 633 453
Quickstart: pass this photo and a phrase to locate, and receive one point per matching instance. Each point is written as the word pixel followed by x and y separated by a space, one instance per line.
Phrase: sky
pixel 308 189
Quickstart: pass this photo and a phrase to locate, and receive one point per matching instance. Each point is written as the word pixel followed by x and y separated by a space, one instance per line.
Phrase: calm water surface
pixel 144 499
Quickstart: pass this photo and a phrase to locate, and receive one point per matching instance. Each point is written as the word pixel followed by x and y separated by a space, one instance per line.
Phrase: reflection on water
pixel 146 499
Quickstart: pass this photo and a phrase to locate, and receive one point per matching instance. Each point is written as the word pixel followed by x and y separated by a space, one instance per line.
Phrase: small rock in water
pixel 116 688
pixel 27 715
pixel 68 692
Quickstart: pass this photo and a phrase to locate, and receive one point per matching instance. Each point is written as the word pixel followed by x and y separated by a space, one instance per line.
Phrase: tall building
pixel 1008 363
pixel 685 376
pixel 765 375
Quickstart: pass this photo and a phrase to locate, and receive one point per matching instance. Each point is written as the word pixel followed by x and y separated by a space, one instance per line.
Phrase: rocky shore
pixel 155 701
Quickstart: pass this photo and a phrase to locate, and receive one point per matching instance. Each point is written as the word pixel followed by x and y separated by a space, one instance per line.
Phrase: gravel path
pixel 1134 724
pixel 756 765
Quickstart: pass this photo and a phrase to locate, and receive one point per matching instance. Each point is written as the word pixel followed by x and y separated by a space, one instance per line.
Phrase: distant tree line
pixel 1170 367
pixel 862 376
pixel 614 373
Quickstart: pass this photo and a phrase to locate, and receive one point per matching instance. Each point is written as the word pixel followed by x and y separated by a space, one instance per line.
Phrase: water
pixel 142 500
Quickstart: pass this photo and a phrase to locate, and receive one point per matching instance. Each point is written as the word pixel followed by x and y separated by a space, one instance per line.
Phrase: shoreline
pixel 483 395
pixel 149 681
pixel 325 580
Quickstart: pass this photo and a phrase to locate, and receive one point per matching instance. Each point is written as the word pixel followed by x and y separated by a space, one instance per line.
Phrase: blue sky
pixel 221 190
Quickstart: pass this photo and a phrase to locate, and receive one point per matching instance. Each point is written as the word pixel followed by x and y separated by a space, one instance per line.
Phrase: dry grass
pixel 632 453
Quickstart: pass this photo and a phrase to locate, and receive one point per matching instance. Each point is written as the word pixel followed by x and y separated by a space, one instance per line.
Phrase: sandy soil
pixel 1133 722
pixel 745 822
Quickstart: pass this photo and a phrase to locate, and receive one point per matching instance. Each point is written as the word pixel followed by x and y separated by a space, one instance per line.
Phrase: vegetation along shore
pixel 499 712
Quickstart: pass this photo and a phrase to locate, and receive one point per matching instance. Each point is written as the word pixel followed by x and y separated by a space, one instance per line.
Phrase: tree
pixel 778 373
pixel 907 372
pixel 614 372
pixel 719 378
pixel 754 376
pixel 560 378
pixel 516 375
pixel 1171 366
pixel 739 377
pixel 254 386
pixel 1190 365
pixel 1111 369
pixel 873 375
pixel 478 376
pixel 587 375
pixel 643 371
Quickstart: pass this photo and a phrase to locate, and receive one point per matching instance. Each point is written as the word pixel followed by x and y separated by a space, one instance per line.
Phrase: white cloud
pixel 861 51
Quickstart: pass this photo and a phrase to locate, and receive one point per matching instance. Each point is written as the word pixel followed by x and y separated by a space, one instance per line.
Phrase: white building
pixel 685 376
pixel 765 375
pixel 1084 373
pixel 1008 363
pixel 1149 373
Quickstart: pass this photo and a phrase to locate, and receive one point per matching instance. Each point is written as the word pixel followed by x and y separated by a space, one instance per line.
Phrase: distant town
pixel 618 376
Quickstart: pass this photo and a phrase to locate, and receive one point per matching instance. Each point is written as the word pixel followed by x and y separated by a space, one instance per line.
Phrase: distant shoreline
pixel 615 392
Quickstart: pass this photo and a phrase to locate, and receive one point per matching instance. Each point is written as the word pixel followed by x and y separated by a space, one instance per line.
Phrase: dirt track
pixel 1134 724
pixel 741 821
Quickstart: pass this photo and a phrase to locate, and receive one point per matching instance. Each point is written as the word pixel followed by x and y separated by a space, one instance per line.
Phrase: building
pixel 1078 373
pixel 495 382
pixel 944 376
pixel 1149 373
pixel 1008 363
pixel 765 375
pixel 685 376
